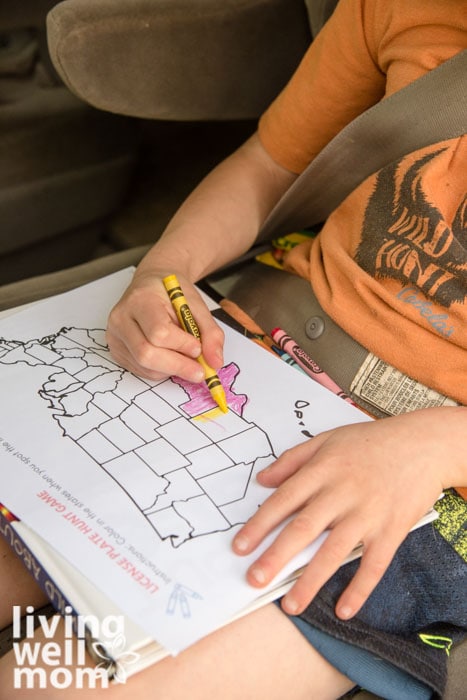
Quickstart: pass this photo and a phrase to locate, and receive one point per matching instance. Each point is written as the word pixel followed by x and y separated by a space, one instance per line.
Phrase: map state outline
pixel 195 477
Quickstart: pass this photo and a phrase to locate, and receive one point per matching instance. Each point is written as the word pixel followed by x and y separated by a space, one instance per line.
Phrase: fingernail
pixel 290 606
pixel 241 543
pixel 258 574
pixel 196 352
pixel 198 376
pixel 345 612
pixel 263 472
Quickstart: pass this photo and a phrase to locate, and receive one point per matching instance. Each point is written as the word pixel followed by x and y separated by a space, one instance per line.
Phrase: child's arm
pixel 218 222
pixel 369 483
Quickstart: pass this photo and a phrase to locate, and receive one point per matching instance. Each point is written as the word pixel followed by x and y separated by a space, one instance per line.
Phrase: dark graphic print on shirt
pixel 405 236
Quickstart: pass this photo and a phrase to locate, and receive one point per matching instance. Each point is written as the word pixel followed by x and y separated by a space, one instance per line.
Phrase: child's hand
pixel 144 335
pixel 367 483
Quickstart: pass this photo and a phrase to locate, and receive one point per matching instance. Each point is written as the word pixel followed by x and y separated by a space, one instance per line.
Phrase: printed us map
pixel 188 468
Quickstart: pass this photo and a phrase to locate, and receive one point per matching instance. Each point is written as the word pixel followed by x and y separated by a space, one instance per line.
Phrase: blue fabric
pixel 419 601
pixel 364 668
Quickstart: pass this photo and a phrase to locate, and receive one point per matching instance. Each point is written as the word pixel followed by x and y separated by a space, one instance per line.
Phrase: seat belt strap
pixel 430 109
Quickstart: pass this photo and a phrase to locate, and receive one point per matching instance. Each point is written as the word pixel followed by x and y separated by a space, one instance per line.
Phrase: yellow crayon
pixel 188 323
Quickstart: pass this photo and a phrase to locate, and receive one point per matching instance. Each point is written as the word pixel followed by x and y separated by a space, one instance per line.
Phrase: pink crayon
pixel 288 344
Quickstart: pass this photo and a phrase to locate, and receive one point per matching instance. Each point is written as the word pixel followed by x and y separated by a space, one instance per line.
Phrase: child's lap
pixel 422 593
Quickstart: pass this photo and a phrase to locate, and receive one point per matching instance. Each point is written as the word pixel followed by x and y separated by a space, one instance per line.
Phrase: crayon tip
pixel 222 403
pixel 219 398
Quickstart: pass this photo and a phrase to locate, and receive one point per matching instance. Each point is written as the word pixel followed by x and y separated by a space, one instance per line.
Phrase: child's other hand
pixel 144 335
pixel 367 483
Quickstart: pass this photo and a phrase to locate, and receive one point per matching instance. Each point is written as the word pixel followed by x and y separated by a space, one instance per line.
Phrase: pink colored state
pixel 202 401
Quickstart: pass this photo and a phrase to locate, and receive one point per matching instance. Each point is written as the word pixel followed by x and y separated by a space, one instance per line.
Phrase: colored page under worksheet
pixel 143 484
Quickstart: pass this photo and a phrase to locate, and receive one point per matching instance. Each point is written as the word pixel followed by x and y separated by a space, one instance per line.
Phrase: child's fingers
pixel 339 543
pixel 145 337
pixel 212 335
pixel 136 354
pixel 280 505
pixel 375 560
pixel 307 523
pixel 297 483
pixel 290 462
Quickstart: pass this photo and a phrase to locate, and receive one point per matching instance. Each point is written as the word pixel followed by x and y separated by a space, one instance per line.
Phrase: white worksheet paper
pixel 131 480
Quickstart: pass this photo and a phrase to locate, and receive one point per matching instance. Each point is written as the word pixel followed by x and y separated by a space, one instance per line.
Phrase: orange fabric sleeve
pixel 337 79
pixel 368 49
